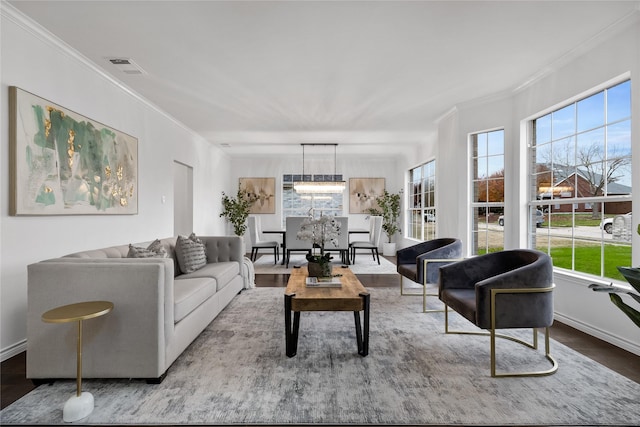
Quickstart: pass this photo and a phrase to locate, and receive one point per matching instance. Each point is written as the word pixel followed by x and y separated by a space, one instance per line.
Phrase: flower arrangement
pixel 321 231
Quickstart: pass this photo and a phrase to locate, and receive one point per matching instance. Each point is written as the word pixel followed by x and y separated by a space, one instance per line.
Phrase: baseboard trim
pixel 600 334
pixel 11 351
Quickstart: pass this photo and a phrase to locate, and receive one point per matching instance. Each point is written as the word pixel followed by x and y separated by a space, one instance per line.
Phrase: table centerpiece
pixel 321 231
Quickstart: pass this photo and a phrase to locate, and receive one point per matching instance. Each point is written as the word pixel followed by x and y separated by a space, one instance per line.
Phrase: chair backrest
pixel 516 268
pixel 376 229
pixel 254 231
pixel 343 238
pixel 292 226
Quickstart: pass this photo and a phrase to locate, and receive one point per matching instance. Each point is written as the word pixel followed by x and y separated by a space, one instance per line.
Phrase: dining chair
pixel 257 244
pixel 375 232
pixel 343 240
pixel 293 244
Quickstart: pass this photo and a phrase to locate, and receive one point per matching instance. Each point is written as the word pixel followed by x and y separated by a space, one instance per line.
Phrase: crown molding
pixel 632 18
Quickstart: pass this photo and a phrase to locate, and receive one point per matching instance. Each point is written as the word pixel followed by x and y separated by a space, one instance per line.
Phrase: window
pixel 294 204
pixel 487 202
pixel 581 179
pixel 422 202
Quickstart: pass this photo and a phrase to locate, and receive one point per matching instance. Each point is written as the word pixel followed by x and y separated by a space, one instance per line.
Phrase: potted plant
pixel 236 210
pixel 632 274
pixel 320 231
pixel 390 211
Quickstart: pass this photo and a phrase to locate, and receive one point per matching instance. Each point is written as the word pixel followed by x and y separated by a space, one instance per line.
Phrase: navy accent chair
pixel 510 289
pixel 420 263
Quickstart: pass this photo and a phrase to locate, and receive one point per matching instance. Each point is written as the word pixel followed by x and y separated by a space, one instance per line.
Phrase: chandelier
pixel 319 187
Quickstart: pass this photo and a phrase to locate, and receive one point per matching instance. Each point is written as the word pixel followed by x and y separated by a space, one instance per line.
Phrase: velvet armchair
pixel 503 290
pixel 420 263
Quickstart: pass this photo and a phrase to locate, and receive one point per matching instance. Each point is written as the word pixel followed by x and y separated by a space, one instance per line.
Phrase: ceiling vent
pixel 126 65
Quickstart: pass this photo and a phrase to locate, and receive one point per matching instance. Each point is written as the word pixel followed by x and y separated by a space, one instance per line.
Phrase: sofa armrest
pixel 130 340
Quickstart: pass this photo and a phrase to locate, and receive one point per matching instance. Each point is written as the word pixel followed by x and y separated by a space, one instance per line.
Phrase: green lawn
pixel 588 259
pixel 564 220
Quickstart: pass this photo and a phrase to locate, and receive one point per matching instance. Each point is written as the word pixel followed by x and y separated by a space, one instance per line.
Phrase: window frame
pixel 428 192
pixel 301 206
pixel 575 201
pixel 474 231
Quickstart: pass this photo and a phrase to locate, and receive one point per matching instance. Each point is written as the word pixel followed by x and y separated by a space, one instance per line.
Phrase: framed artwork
pixel 62 163
pixel 363 193
pixel 263 190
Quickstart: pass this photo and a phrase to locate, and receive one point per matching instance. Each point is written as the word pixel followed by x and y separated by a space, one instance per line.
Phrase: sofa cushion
pixel 188 294
pixel 190 252
pixel 221 272
pixel 154 250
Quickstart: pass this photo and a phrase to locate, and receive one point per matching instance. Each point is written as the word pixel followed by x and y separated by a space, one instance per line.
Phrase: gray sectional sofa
pixel 158 310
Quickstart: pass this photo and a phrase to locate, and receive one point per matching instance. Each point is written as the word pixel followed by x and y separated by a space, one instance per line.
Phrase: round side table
pixel 80 405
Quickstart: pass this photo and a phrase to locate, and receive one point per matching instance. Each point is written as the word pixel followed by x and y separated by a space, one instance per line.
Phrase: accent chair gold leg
pixel 534 345
pixel 492 334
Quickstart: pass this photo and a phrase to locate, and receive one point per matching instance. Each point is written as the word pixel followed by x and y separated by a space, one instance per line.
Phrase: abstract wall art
pixel 263 191
pixel 363 193
pixel 62 163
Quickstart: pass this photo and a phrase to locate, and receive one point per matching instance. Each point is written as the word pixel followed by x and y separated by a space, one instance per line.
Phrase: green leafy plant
pixel 236 210
pixel 632 274
pixel 390 211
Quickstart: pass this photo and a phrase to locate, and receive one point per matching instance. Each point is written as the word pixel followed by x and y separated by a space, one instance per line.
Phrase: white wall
pixel 614 53
pixel 350 166
pixel 35 61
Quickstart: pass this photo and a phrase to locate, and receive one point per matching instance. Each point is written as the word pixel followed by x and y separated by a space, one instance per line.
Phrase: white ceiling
pixel 259 74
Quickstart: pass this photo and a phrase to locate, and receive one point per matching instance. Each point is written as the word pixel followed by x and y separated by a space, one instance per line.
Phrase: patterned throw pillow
pixel 154 250
pixel 190 252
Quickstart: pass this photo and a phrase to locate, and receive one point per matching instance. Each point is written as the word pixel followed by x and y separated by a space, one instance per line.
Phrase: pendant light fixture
pixel 320 187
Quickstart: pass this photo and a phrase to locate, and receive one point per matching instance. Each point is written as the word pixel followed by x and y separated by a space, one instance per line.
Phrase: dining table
pixel 283 233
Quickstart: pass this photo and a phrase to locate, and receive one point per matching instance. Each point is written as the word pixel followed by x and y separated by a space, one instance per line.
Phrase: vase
pixel 389 249
pixel 319 269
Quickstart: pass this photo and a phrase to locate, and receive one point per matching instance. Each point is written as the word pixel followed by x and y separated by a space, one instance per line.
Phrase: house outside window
pixel 294 204
pixel 422 202
pixel 487 204
pixel 581 179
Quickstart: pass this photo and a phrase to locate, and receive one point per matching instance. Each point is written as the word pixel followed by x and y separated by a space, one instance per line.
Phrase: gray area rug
pixel 236 372
pixel 365 264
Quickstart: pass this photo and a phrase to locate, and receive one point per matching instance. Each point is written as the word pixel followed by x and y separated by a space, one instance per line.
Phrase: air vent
pixel 126 65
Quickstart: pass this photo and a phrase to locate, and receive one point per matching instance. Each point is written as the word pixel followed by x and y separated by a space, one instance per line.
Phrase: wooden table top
pixel 345 298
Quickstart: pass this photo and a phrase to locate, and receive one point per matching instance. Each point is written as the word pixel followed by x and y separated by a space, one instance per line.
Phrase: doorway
pixel 182 199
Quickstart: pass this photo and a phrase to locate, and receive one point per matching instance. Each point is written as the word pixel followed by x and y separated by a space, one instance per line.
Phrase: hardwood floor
pixel 15 384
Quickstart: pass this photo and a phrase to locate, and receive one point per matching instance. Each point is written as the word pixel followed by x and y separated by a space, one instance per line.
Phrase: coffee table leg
pixel 291 333
pixel 362 334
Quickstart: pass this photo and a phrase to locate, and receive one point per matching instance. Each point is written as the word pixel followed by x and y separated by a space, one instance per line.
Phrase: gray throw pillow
pixel 154 250
pixel 191 254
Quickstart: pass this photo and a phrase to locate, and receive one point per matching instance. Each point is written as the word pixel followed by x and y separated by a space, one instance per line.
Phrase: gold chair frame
pixel 492 333
pixel 424 294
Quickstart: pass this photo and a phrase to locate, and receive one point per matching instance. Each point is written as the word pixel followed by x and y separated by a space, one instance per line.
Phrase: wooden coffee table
pixel 352 296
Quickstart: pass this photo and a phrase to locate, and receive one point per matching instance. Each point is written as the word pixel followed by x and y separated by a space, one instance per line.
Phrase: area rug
pixel 365 264
pixel 236 372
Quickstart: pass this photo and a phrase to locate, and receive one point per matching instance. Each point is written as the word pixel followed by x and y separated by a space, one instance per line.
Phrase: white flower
pixel 320 231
